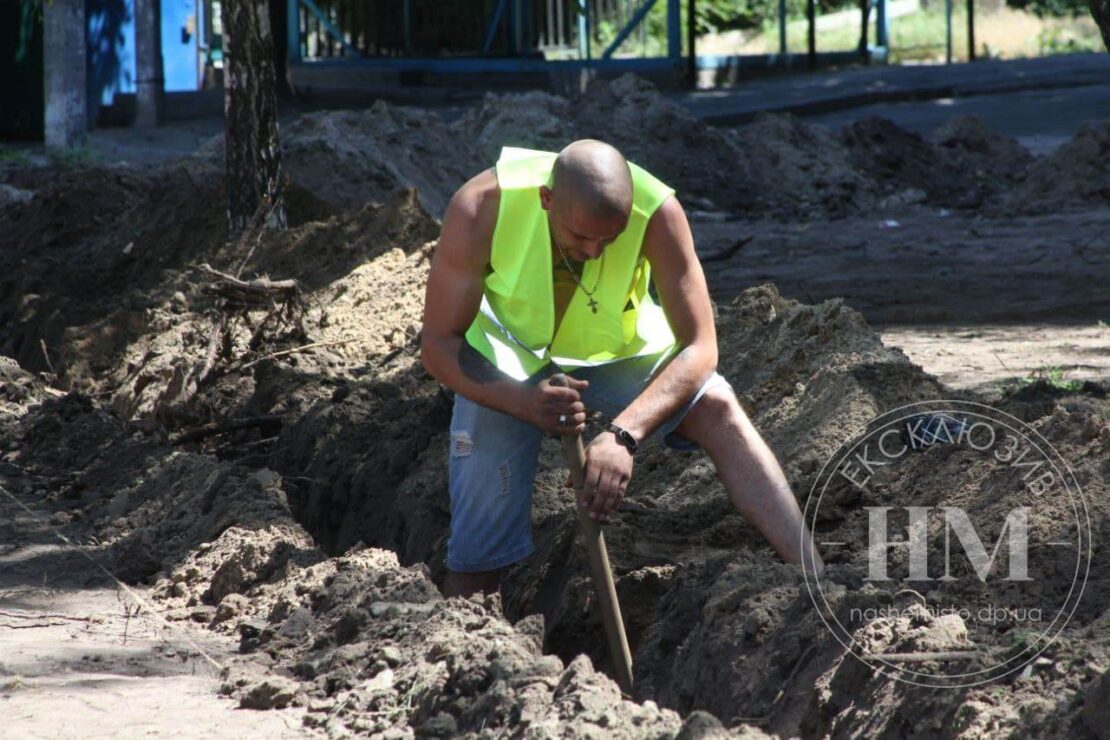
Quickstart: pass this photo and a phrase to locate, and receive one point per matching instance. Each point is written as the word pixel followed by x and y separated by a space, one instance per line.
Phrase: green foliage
pixel 1055 376
pixel 1060 41
pixel 1051 8
pixel 13 156
pixel 74 157
pixel 725 15
pixel 1052 375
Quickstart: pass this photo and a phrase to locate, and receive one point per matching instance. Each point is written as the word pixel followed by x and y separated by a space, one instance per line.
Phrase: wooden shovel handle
pixel 575 454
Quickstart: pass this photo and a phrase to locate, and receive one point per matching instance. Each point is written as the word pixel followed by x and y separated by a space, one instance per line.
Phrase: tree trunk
pixel 149 86
pixel 254 183
pixel 1100 11
pixel 63 51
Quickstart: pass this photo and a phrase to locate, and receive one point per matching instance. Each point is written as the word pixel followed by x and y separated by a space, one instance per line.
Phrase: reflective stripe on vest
pixel 515 327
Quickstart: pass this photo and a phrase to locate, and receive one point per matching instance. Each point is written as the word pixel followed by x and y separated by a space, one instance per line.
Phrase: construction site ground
pixel 217 503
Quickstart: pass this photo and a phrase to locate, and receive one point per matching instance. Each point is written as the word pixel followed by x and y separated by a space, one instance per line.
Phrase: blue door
pixel 182 26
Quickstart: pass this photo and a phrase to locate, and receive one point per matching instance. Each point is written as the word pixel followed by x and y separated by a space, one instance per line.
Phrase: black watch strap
pixel 624 437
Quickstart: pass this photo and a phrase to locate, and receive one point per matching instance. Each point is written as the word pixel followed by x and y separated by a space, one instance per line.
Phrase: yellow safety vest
pixel 515 326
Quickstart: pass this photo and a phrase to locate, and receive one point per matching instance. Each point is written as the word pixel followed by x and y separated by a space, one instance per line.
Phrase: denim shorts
pixel 492 464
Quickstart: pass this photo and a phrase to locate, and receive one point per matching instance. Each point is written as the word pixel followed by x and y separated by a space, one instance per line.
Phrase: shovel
pixel 575 455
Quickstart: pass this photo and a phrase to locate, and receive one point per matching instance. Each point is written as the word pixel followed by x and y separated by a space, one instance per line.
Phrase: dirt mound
pixel 351 158
pixel 904 165
pixel 365 644
pixel 776 166
pixel 629 113
pixel 791 167
pixel 534 120
pixel 716 621
pixel 105 240
pixel 664 138
pixel 997 161
pixel 138 322
pixel 1076 173
pixel 18 388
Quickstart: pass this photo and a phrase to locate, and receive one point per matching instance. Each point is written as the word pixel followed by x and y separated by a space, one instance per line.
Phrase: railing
pixel 557 29
pixel 516 36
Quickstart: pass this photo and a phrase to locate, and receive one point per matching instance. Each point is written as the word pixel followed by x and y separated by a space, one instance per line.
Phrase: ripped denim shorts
pixel 493 457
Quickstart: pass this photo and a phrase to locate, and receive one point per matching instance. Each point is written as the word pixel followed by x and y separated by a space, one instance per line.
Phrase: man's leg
pixel 464 584
pixel 491 470
pixel 751 474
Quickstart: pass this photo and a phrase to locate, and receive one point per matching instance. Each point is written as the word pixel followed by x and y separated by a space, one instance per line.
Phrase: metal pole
pixel 971 30
pixel 583 29
pixel 293 31
pixel 811 33
pixel 674 29
pixel 514 27
pixel 782 27
pixel 882 32
pixel 691 43
pixel 406 8
pixel 560 24
pixel 947 31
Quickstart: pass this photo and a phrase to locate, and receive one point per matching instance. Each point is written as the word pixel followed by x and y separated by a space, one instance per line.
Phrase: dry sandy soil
pixel 269 473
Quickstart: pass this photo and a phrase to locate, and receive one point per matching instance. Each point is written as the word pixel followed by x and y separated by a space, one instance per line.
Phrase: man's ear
pixel 545 197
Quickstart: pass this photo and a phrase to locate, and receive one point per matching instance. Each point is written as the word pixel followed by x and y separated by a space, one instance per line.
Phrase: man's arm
pixel 680 282
pixel 669 246
pixel 451 301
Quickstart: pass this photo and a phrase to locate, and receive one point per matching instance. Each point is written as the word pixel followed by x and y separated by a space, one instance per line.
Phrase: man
pixel 542 266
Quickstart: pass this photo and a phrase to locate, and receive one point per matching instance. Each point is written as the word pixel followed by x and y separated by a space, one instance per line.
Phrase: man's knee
pixel 715 414
pixel 456 583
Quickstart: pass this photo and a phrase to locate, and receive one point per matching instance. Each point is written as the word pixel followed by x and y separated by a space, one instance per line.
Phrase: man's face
pixel 581 235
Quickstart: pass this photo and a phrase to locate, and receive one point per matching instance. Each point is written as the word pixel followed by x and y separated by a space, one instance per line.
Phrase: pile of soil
pixel 997 160
pixel 788 167
pixel 1078 172
pixel 717 623
pixel 366 644
pixel 899 160
pixel 776 166
pixel 349 158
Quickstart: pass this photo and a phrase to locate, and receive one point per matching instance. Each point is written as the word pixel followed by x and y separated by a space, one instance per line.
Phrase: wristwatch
pixel 624 437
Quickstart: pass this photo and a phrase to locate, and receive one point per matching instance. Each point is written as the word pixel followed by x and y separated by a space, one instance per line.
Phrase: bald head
pixel 593 176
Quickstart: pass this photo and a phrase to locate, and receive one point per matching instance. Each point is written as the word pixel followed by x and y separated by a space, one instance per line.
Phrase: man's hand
pixel 556 409
pixel 608 470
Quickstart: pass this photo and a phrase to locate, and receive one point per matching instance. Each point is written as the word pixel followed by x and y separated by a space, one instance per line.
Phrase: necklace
pixel 577 280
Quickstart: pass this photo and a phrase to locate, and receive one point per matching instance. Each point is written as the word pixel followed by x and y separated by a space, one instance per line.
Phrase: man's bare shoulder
pixel 665 227
pixel 476 203
pixel 468 224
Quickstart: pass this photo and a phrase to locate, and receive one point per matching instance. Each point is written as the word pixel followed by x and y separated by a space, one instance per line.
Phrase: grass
pixel 78 156
pixel 13 156
pixel 1053 375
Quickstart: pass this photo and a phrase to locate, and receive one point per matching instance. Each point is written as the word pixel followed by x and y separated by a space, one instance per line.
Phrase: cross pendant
pixel 593 304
